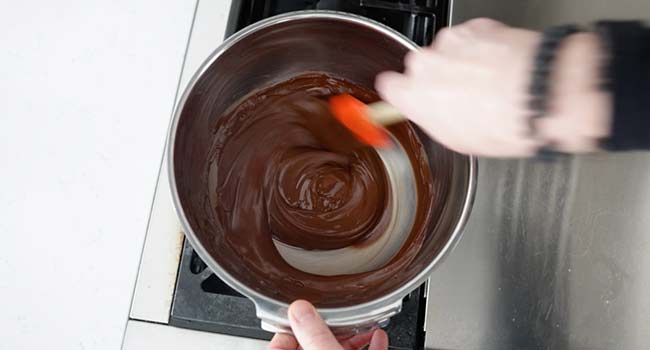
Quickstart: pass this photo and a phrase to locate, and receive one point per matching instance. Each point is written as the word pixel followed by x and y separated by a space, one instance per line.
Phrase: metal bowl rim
pixel 256 297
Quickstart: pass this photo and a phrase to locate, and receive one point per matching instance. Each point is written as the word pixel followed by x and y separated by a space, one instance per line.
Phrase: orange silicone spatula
pixel 366 122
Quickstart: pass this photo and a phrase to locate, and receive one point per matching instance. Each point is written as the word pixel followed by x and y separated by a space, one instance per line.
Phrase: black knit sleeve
pixel 628 78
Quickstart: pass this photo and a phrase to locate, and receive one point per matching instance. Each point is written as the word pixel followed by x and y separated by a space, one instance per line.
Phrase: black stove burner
pixel 417 19
pixel 201 300
pixel 204 302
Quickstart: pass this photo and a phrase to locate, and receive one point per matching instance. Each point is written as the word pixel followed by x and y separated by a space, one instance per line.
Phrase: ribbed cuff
pixel 628 79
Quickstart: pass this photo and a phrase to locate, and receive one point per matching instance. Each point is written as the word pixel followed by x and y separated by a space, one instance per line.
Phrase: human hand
pixel 469 91
pixel 311 333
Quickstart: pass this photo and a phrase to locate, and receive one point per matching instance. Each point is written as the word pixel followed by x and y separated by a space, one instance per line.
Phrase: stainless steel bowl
pixel 351 47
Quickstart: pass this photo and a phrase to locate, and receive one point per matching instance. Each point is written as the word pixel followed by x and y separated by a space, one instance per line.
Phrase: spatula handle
pixel 384 113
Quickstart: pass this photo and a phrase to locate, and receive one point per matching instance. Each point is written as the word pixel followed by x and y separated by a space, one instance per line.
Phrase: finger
pixel 386 82
pixel 410 62
pixel 394 88
pixel 578 145
pixel 357 341
pixel 379 340
pixel 309 328
pixel 445 39
pixel 420 62
pixel 283 341
pixel 480 25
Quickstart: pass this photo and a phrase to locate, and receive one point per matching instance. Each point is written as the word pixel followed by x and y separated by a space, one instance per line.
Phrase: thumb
pixel 393 88
pixel 310 329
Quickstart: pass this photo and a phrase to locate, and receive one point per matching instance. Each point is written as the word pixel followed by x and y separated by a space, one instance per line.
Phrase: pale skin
pixel 311 333
pixel 469 92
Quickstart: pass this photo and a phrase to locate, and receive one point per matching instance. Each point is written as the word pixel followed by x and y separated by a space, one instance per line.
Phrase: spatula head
pixel 354 115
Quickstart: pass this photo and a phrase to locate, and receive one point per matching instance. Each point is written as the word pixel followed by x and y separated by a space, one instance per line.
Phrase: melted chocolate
pixel 282 167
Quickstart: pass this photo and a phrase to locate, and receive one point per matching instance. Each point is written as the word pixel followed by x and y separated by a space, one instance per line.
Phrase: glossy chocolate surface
pixel 281 166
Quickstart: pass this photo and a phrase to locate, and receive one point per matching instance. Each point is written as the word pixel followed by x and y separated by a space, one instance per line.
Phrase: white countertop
pixel 86 92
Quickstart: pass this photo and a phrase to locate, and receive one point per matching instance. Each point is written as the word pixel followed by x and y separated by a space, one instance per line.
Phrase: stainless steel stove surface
pixel 204 302
pixel 556 255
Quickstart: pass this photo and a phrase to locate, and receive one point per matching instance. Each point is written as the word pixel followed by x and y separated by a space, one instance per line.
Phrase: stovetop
pixel 204 302
pixel 416 19
pixel 554 255
pixel 201 300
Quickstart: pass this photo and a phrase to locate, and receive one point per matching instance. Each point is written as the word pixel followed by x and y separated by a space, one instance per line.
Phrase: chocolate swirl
pixel 310 182
pixel 282 167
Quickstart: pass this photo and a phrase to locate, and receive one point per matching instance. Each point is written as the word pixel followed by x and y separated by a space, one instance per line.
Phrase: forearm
pixel 579 114
pixel 600 91
pixel 471 90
